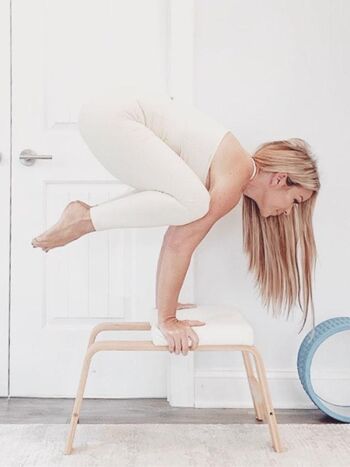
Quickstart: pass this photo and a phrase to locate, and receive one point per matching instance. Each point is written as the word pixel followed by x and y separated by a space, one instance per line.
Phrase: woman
pixel 188 171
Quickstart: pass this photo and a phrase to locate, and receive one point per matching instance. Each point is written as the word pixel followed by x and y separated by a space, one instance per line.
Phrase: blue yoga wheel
pixel 306 353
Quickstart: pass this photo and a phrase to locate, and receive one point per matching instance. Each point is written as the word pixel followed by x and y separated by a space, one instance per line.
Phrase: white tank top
pixel 192 134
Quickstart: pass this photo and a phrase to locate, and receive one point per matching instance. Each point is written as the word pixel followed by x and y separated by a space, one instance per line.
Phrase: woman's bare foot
pixel 74 222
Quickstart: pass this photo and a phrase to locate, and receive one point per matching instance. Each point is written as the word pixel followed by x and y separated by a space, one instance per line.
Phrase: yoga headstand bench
pixel 225 326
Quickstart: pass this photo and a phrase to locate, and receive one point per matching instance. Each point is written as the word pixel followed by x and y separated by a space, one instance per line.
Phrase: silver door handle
pixel 28 157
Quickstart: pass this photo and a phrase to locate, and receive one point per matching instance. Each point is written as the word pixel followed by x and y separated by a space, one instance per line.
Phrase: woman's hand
pixel 178 332
pixel 180 306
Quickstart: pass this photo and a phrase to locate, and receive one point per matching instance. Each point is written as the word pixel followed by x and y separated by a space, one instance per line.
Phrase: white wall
pixel 271 70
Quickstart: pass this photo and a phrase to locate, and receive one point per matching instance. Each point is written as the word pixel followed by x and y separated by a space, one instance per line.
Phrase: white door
pixel 5 181
pixel 61 50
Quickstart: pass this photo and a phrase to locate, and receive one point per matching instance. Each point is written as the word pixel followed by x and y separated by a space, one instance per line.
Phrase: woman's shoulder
pixel 231 165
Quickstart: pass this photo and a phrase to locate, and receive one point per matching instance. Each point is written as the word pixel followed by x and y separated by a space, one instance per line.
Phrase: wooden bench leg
pixel 79 398
pixel 255 389
pixel 269 411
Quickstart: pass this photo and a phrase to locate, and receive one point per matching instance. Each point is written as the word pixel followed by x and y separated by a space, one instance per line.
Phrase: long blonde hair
pixel 282 271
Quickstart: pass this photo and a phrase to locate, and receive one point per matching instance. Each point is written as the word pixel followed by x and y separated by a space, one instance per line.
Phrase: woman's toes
pixel 35 243
pixel 71 225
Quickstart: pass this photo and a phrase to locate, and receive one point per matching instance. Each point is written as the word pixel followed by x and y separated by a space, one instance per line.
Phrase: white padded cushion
pixel 224 325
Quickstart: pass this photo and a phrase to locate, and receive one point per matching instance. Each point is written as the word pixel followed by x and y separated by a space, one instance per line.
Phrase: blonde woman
pixel 188 171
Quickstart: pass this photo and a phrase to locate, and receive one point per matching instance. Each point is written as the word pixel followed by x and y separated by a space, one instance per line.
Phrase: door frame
pixel 5 187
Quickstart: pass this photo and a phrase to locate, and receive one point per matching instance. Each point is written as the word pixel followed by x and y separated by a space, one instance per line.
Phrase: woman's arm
pixel 178 246
pixel 174 259
pixel 179 243
pixel 172 267
pixel 160 259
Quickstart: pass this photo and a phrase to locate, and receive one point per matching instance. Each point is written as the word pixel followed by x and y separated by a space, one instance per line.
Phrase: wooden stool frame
pixel 257 383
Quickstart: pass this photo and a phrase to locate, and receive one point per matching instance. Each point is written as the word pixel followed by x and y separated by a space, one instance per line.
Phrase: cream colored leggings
pixel 168 192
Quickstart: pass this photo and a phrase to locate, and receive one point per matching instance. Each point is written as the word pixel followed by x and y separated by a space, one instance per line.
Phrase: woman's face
pixel 280 198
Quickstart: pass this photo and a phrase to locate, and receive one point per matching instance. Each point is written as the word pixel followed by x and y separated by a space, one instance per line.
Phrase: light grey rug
pixel 174 445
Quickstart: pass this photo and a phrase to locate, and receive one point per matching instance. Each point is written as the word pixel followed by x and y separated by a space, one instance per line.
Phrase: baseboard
pixel 223 388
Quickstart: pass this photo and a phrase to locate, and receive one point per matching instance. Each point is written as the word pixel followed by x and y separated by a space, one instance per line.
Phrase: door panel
pixel 61 51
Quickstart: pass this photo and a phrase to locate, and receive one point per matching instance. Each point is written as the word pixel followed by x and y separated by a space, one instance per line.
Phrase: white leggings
pixel 168 191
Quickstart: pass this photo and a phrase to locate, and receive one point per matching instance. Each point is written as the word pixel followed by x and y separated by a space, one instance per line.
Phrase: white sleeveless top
pixel 192 134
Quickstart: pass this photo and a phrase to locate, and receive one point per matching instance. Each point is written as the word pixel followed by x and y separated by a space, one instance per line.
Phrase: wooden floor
pixel 39 410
